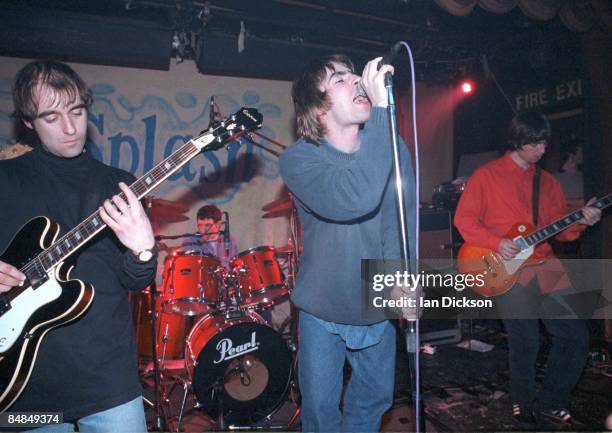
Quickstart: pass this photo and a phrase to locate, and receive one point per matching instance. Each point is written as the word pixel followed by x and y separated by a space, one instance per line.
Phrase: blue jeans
pixel 323 348
pixel 125 418
pixel 567 356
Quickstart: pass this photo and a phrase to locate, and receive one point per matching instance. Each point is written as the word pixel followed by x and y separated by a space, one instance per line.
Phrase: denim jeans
pixel 324 346
pixel 566 359
pixel 125 418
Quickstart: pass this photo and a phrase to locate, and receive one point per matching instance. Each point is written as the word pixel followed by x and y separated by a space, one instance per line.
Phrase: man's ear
pixel 28 125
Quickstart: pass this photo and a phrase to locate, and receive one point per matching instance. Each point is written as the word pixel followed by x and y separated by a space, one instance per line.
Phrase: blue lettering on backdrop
pixel 137 136
pixel 115 142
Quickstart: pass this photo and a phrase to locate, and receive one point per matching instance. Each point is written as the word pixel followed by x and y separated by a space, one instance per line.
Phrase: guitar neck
pixel 244 120
pixel 92 225
pixel 568 220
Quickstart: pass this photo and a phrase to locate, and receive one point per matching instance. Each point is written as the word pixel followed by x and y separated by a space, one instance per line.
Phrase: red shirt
pixel 497 196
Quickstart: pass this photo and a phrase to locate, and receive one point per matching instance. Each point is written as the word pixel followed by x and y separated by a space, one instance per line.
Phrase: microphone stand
pixel 226 236
pixel 247 136
pixel 412 329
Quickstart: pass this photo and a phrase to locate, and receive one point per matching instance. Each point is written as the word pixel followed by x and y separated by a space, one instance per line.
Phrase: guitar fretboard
pixel 558 226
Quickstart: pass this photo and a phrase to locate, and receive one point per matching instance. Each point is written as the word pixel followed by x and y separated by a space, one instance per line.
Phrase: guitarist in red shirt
pixel 498 195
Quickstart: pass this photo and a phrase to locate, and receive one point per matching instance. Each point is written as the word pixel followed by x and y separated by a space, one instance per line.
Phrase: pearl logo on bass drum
pixel 228 351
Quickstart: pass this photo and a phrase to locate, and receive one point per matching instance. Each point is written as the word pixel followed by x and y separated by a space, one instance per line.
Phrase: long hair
pixel 58 76
pixel 308 99
pixel 526 128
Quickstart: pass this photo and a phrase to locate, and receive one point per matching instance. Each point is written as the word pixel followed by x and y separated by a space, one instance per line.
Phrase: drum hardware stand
pixel 187 387
pixel 218 391
pixel 294 390
pixel 160 422
pixel 231 280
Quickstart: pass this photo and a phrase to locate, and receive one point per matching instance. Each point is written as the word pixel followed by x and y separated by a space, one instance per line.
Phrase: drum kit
pixel 237 366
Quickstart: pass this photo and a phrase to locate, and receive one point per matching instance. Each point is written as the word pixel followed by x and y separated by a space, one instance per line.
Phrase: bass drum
pixel 240 364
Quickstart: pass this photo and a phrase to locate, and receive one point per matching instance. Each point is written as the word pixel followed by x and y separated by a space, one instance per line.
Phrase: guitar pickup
pixel 520 241
pixel 5 305
pixel 36 277
pixel 38 281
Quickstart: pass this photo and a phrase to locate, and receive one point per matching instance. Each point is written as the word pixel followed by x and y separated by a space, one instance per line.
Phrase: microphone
pixel 226 232
pixel 211 111
pixel 387 59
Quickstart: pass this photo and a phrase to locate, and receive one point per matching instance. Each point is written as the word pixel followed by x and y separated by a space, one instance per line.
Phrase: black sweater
pixel 88 365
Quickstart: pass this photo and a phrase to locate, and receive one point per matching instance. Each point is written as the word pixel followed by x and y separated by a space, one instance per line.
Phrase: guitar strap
pixel 535 197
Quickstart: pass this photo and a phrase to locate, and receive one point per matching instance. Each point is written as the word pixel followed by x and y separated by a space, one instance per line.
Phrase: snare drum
pixel 244 361
pixel 171 329
pixel 260 277
pixel 189 285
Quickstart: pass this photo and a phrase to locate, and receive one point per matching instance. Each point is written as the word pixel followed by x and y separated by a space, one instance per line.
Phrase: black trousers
pixel 567 356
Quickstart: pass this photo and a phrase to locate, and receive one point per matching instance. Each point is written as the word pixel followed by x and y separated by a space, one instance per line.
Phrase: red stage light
pixel 467 87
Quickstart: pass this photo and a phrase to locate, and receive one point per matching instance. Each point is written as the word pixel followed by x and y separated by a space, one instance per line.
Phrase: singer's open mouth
pixel 361 100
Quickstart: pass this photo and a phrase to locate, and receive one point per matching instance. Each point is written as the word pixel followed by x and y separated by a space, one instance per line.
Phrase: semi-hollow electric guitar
pixel 499 274
pixel 48 298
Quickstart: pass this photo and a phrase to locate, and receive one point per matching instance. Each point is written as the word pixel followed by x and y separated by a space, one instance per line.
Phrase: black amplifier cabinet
pixel 437 246
pixel 436 243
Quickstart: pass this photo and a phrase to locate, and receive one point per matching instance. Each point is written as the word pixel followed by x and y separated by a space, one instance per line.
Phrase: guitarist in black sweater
pixel 86 369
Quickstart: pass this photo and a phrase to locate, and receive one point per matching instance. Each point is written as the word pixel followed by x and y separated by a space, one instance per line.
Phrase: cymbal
pixel 276 214
pixel 171 251
pixel 280 205
pixel 160 207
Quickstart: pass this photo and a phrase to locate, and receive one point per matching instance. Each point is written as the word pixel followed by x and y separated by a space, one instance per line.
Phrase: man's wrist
pixel 145 255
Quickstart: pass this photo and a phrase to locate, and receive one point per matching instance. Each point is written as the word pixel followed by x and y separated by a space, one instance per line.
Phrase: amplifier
pixel 436 239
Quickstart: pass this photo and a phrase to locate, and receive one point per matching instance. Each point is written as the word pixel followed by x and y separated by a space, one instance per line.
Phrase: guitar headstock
pixel 244 120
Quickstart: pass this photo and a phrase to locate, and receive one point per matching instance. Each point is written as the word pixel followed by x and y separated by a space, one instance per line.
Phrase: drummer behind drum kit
pixel 238 367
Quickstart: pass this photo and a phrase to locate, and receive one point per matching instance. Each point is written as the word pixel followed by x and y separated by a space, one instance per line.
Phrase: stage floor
pixel 463 390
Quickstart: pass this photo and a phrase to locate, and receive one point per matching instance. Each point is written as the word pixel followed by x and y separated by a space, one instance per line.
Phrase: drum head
pixel 245 369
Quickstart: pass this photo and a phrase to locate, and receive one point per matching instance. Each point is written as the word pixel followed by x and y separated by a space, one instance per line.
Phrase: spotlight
pixel 467 87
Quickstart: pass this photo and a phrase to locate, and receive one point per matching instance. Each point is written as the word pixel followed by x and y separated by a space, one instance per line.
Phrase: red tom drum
pixel 189 284
pixel 260 277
